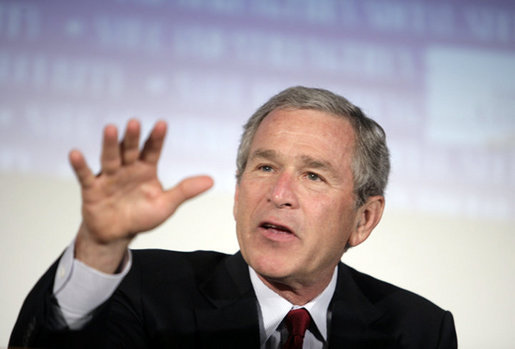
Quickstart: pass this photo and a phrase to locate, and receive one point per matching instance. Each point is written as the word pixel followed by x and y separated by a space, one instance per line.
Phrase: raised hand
pixel 126 197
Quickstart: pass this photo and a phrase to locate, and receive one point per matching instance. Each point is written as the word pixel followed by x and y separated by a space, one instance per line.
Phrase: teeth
pixel 276 227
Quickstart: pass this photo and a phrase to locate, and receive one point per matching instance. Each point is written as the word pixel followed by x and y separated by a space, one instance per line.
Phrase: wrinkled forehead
pixel 305 133
pixel 288 119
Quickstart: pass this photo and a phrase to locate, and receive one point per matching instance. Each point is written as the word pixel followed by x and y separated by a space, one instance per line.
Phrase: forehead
pixel 305 132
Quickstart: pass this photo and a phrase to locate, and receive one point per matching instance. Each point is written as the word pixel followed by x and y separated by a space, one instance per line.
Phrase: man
pixel 311 173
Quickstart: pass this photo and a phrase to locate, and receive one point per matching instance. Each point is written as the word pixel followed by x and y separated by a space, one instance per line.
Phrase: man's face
pixel 294 205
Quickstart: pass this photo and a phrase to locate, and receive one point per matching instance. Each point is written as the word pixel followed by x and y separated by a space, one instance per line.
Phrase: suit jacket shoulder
pixel 370 313
pixel 184 299
pixel 168 299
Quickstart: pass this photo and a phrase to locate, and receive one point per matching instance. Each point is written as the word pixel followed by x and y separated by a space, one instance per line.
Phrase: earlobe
pixel 368 217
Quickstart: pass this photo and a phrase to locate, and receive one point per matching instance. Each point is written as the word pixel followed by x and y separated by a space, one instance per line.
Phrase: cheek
pixel 333 220
pixel 243 205
pixel 249 193
pixel 322 209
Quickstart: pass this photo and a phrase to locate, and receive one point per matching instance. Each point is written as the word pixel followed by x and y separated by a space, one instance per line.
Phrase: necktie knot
pixel 297 321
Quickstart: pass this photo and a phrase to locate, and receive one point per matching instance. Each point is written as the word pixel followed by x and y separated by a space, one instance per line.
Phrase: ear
pixel 368 216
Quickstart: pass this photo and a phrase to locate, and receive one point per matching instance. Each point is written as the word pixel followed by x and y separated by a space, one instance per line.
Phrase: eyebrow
pixel 307 161
pixel 265 154
pixel 310 162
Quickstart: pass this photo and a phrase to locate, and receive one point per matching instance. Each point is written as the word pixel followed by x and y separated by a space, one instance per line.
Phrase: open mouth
pixel 276 228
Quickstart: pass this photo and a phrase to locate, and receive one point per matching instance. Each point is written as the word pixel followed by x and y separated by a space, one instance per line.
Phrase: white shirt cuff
pixel 80 289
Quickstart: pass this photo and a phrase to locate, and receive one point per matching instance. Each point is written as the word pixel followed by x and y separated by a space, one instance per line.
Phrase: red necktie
pixel 297 321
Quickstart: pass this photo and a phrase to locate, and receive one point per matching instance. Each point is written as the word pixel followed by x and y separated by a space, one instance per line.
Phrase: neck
pixel 297 292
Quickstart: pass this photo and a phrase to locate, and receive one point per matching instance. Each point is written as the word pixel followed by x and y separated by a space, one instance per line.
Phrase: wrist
pixel 108 257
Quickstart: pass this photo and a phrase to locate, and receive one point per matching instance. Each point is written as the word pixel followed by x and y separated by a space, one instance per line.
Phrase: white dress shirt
pixel 273 308
pixel 80 289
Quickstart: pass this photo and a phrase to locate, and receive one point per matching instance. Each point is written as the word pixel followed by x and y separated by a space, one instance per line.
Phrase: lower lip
pixel 277 235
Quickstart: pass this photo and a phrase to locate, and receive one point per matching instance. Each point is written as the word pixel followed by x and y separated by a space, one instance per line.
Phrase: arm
pixel 80 289
pixel 123 200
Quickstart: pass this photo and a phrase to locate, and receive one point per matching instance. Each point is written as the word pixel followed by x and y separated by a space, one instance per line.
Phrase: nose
pixel 283 193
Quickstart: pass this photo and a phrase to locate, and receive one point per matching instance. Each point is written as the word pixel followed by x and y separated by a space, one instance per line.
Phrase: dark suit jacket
pixel 206 300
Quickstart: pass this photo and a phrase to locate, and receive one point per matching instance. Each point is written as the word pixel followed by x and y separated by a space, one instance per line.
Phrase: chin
pixel 271 268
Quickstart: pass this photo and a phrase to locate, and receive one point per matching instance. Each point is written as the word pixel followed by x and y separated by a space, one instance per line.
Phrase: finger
pixel 130 144
pixel 81 169
pixel 110 160
pixel 154 143
pixel 187 189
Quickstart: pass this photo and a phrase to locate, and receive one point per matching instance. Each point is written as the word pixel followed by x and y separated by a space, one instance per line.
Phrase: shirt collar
pixel 274 308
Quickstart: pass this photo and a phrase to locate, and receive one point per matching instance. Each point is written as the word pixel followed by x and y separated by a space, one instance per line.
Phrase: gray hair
pixel 371 160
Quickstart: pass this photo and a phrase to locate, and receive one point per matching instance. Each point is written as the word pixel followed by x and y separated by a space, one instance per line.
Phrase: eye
pixel 313 176
pixel 265 168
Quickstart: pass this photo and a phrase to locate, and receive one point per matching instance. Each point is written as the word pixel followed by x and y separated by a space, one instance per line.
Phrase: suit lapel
pixel 353 318
pixel 231 319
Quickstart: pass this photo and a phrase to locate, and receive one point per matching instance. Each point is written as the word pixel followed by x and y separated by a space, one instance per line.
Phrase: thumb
pixel 187 189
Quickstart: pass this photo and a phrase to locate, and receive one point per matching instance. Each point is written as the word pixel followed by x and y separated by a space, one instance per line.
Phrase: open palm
pixel 126 197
